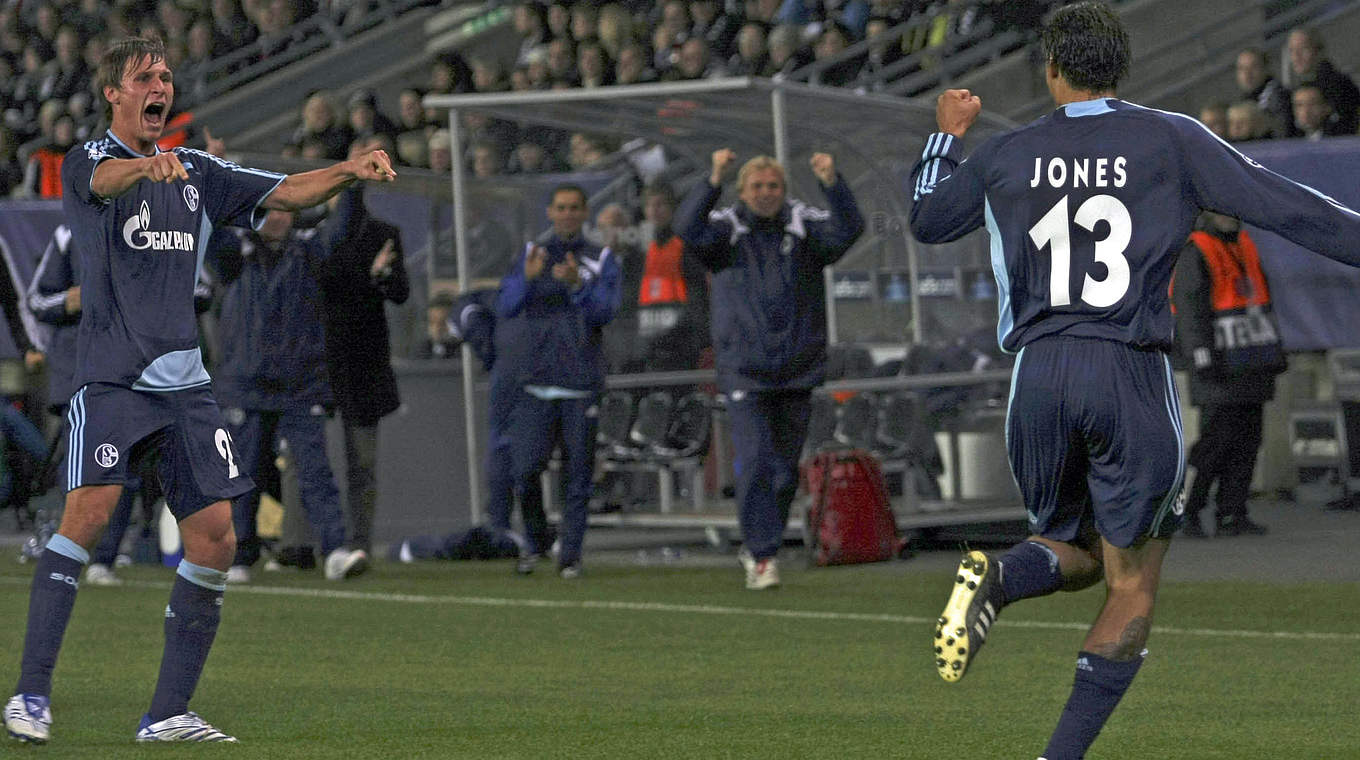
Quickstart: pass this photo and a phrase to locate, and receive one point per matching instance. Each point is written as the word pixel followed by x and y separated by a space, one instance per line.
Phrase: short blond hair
pixel 759 163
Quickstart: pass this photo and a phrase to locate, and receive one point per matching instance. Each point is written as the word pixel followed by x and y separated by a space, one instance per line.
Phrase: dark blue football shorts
pixel 108 425
pixel 1094 432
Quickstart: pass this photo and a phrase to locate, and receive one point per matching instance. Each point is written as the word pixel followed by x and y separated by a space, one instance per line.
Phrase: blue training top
pixel 141 254
pixel 1089 206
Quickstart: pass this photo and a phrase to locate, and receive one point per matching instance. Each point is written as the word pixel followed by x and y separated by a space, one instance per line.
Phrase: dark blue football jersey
pixel 1088 207
pixel 141 255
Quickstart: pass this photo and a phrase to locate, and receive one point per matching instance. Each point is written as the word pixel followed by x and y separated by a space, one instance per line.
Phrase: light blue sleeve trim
pixel 213 580
pixel 68 548
pixel 260 212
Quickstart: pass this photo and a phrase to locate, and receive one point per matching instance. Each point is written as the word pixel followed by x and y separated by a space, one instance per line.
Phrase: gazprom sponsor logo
pixel 139 237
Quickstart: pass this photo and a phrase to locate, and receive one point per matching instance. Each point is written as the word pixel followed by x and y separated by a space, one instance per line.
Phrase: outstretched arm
pixel 115 176
pixel 299 191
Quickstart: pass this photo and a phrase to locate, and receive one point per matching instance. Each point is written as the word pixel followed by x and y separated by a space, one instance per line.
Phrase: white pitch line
pixel 709 609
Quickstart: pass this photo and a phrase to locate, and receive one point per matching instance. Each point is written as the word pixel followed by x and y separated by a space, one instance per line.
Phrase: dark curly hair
pixel 1088 44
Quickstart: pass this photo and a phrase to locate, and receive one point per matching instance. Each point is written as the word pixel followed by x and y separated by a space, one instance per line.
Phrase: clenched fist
pixel 723 162
pixel 956 110
pixel 824 167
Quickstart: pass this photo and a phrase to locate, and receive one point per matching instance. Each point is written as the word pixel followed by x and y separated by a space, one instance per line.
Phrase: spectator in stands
pixel 278 29
pixel 1246 122
pixel 272 381
pixel 708 22
pixel 833 40
pixel 592 65
pixel 1308 64
pixel 552 305
pixel 46 22
pixel 174 20
pixel 562 60
pixel 533 155
pixel 587 152
pixel 449 75
pixel 78 106
pixel 439 340
pixel 479 126
pixel 559 21
pixel 42 179
pixel 631 67
pixel 761 10
pixel 1313 114
pixel 487 75
pixel 584 21
pixel 440 152
pixel 11 174
pixel 28 83
pixel 519 80
pixel 669 34
pixel 694 62
pixel 1226 332
pixel 413 149
pixel 230 27
pixel 66 73
pixel 530 27
pixel 883 52
pixel 411 113
pixel 750 57
pixel 769 326
pixel 365 270
pixel 486 160
pixel 1254 83
pixel 320 122
pixel 786 51
pixel 365 120
pixel 614 30
pixel 1214 116
pixel 540 76
pixel 193 75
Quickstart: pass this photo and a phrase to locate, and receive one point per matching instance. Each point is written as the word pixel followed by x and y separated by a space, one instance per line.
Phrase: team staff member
pixel 138 215
pixel 766 254
pixel 272 380
pixel 360 276
pixel 1226 331
pixel 552 306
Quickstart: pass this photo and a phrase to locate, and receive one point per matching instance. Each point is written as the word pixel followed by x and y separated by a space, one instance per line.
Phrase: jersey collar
pixel 128 148
pixel 1088 107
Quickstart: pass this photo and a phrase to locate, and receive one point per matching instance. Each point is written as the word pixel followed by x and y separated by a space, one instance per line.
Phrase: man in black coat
pixel 359 277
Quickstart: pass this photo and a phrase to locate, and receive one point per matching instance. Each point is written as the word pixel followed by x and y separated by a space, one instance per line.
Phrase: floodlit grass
pixel 672 662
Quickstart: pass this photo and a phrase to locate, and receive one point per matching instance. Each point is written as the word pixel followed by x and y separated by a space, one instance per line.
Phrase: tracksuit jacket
pixel 768 296
pixel 548 336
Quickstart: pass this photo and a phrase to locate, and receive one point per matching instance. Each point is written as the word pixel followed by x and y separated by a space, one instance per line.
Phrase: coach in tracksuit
pixel 272 380
pixel 766 254
pixel 552 306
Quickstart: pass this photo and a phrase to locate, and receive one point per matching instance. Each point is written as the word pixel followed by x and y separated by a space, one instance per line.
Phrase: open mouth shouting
pixel 153 116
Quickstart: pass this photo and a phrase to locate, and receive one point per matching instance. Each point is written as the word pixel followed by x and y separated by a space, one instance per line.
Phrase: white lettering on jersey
pixel 1083 172
pixel 139 238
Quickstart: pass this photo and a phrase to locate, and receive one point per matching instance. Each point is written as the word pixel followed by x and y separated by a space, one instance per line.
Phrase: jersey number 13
pixel 1054 230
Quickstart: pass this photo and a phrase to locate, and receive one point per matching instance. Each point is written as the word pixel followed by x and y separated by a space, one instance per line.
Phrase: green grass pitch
pixel 465 660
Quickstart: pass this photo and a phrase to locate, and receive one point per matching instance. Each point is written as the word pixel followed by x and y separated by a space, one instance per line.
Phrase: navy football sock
pixel 1029 569
pixel 1099 685
pixel 50 600
pixel 190 625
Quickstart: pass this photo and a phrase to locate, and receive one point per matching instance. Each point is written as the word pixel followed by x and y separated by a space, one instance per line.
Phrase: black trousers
pixel 1225 454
